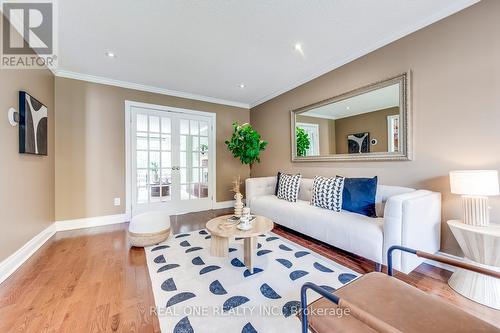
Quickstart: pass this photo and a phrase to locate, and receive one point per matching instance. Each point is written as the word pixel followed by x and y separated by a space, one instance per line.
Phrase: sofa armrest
pixel 412 220
pixel 255 187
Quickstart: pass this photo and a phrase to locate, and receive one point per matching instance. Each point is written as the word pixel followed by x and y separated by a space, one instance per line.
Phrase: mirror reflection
pixel 365 122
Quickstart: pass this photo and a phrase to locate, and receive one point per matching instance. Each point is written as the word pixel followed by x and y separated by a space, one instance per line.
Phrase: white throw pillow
pixel 327 192
pixel 288 187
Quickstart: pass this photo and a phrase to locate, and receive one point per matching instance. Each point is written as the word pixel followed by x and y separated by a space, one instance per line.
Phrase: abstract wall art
pixel 358 143
pixel 33 125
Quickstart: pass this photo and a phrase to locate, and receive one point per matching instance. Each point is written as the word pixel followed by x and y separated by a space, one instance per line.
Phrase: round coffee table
pixel 223 230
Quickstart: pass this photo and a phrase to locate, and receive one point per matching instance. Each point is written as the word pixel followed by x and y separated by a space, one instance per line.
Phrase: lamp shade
pixel 474 182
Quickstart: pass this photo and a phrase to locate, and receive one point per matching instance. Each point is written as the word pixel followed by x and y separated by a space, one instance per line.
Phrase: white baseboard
pixel 90 222
pixel 13 262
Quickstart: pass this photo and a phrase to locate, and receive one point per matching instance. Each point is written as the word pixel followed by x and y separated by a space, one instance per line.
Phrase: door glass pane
pixel 204 160
pixel 184 126
pixel 204 175
pixel 142 141
pixel 142 123
pixel 154 141
pixel 183 159
pixel 194 127
pixel 183 173
pixel 154 194
pixel 166 142
pixel 154 124
pixel 165 125
pixel 195 160
pixel 154 177
pixel 142 195
pixel 195 175
pixel 165 193
pixel 203 128
pixel 166 159
pixel 203 143
pixel 194 143
pixel 203 190
pixel 142 177
pixel 184 192
pixel 154 159
pixel 183 143
pixel 142 159
pixel 195 190
pixel 166 176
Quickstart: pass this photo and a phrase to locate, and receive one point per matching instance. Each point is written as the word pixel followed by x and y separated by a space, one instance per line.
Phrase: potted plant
pixel 246 144
pixel 303 141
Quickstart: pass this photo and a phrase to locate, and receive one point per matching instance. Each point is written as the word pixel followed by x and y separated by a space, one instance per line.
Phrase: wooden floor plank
pixel 90 280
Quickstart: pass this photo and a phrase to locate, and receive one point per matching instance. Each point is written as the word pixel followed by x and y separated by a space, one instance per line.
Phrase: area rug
pixel 195 292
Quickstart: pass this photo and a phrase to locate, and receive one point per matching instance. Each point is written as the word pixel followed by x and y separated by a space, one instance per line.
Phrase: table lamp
pixel 475 186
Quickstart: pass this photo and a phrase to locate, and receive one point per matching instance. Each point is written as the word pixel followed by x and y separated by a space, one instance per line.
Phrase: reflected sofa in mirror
pixel 369 123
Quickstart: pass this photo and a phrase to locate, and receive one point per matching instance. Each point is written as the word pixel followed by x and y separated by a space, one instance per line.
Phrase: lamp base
pixel 476 210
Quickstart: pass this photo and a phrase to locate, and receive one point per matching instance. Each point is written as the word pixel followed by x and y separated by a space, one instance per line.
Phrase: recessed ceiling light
pixel 241 85
pixel 348 107
pixel 110 54
pixel 298 47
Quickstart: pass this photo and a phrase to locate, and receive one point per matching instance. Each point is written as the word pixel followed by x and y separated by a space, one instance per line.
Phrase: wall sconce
pixel 13 116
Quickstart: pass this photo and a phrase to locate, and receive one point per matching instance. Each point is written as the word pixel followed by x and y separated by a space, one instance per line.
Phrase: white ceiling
pixel 371 101
pixel 205 49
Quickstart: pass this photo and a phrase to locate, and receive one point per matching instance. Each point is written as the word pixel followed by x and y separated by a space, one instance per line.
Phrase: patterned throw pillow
pixel 327 192
pixel 288 188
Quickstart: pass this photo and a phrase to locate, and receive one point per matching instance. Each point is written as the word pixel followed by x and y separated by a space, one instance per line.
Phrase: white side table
pixel 481 246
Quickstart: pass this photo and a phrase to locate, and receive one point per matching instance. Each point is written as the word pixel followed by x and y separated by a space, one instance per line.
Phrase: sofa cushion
pixel 278 176
pixel 349 231
pixel 359 195
pixel 327 192
pixel 288 187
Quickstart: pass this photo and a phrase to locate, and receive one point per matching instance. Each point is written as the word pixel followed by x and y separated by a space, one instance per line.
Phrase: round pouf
pixel 149 229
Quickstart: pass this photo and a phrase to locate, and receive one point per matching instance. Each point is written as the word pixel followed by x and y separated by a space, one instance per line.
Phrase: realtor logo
pixel 28 31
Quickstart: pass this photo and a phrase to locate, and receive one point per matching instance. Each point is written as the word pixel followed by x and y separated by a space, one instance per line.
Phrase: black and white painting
pixel 33 122
pixel 358 143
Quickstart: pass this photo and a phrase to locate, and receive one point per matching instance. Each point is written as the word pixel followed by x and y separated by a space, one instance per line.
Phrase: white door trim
pixel 128 146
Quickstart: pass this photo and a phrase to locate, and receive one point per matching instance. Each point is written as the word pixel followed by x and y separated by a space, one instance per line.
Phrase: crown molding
pixel 151 89
pixel 448 11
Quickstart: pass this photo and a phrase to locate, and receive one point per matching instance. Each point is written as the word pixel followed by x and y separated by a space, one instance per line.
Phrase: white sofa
pixel 406 217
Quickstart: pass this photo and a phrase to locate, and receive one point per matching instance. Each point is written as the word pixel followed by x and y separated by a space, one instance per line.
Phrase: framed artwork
pixel 358 143
pixel 33 125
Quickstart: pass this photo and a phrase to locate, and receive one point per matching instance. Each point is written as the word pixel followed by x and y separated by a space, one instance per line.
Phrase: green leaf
pixel 245 143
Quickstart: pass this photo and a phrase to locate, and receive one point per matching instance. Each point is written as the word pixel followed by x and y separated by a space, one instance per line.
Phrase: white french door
pixel 171 160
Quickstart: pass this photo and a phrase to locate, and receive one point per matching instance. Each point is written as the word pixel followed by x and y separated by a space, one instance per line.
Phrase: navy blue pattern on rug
pixel 186 277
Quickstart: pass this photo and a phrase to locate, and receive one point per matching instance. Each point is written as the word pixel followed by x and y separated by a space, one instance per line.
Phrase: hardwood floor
pixel 90 280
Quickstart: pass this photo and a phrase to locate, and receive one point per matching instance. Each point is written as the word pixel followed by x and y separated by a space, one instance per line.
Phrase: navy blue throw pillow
pixel 359 195
pixel 278 176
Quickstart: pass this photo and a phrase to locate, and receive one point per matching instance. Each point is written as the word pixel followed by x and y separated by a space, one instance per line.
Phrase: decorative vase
pixel 238 205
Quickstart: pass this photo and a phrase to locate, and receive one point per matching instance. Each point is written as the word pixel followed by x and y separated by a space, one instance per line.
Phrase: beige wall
pixel 456 103
pixel 90 146
pixel 374 123
pixel 26 181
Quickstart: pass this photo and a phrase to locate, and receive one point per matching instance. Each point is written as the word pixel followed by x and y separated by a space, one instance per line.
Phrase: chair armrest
pixel 255 187
pixel 444 260
pixel 412 220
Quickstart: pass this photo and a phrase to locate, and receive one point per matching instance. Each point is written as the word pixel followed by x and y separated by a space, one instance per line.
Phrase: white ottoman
pixel 149 229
